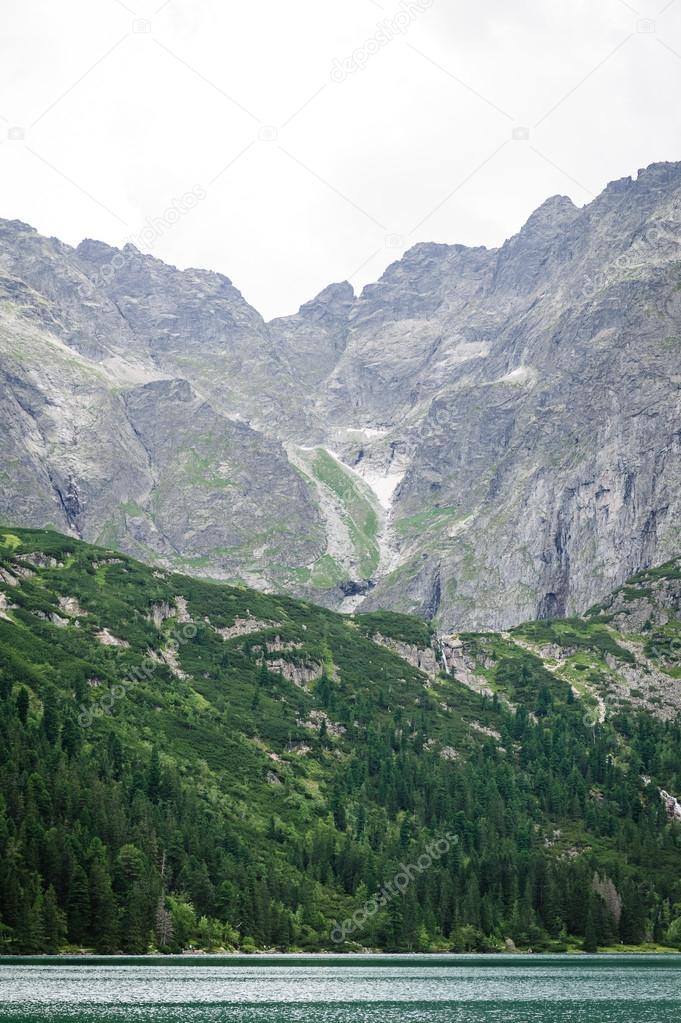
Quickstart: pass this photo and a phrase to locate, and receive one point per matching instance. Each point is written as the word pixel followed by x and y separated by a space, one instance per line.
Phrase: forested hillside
pixel 185 763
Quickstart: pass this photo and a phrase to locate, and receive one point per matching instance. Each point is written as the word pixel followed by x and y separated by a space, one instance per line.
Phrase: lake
pixel 350 989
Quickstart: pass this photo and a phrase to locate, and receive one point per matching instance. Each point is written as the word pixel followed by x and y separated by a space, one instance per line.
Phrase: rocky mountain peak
pixel 553 214
pixel 333 302
pixel 662 175
pixel 12 228
pixel 482 435
pixel 94 251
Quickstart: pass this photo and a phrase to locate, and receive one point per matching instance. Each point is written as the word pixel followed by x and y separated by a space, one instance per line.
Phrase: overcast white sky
pixel 327 135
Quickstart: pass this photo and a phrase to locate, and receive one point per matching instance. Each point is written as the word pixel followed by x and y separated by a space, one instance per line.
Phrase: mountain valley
pixel 482 437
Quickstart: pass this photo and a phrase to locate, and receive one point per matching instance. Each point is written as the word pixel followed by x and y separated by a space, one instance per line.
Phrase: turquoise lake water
pixel 324 989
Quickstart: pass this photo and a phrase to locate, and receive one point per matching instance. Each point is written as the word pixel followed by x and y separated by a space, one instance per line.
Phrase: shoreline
pixel 199 955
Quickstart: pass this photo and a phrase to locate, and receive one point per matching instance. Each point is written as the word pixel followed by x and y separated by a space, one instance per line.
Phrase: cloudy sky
pixel 291 144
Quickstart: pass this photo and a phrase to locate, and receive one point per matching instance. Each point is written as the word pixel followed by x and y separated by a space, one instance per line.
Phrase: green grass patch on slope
pixel 432 518
pixel 405 628
pixel 575 633
pixel 361 517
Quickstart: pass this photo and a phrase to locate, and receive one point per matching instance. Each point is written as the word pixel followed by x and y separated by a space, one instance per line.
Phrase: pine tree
pixel 22 703
pixel 154 776
pixel 54 922
pixel 634 916
pixel 590 943
pixel 50 721
pixel 136 924
pixel 30 930
pixel 103 909
pixel 78 914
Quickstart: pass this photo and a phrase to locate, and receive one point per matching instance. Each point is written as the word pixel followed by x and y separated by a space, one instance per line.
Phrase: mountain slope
pixel 510 417
pixel 184 762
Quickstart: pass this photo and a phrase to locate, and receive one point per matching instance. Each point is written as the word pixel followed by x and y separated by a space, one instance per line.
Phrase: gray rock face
pixel 103 438
pixel 221 489
pixel 482 436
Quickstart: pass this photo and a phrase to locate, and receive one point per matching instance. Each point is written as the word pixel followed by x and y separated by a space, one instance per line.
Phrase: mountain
pixel 481 437
pixel 185 763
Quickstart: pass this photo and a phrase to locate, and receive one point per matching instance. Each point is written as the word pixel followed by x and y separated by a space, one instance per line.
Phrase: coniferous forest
pixel 186 764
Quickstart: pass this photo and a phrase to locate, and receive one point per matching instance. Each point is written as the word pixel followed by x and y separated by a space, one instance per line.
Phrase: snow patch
pixel 383 486
pixel 365 431
pixel 519 375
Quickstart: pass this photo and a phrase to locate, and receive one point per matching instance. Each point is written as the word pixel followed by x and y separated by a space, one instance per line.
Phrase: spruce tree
pixel 590 943
pixel 103 909
pixel 54 922
pixel 78 912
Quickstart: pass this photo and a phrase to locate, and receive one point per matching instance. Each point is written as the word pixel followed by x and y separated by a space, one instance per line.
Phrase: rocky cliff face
pixel 106 437
pixel 482 436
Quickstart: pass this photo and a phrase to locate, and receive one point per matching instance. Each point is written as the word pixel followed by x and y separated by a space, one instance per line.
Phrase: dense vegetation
pixel 164 784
